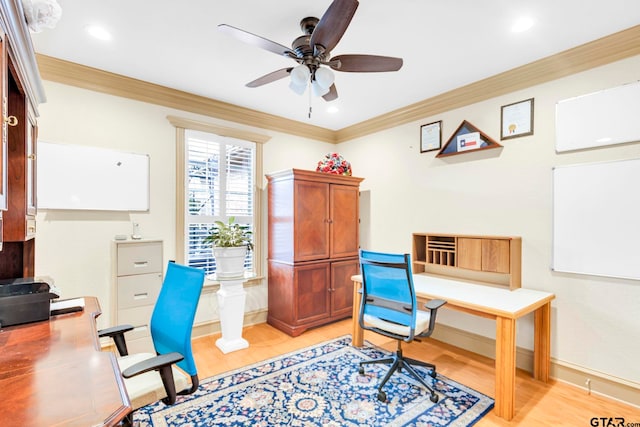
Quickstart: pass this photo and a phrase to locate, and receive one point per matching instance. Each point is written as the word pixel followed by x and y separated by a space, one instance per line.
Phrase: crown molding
pixel 615 47
pixel 73 74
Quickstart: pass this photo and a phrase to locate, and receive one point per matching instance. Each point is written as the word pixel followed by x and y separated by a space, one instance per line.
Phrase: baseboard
pixel 598 382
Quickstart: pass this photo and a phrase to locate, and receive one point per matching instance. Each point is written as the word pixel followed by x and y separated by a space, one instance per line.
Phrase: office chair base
pixel 398 363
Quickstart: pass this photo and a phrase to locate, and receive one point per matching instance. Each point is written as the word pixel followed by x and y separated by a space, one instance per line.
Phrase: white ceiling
pixel 444 44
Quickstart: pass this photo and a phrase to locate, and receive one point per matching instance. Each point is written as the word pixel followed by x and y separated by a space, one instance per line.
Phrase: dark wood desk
pixel 53 373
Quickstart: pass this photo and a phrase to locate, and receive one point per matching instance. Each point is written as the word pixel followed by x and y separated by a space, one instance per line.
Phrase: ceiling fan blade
pixel 271 77
pixel 366 63
pixel 333 24
pixel 332 94
pixel 257 41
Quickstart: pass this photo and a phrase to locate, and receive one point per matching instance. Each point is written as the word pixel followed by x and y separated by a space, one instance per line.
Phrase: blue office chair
pixel 389 308
pixel 152 377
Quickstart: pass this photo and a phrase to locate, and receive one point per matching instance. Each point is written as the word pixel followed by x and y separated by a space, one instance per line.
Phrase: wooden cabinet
pixel 313 248
pixel 137 279
pixel 20 218
pixel 3 131
pixel 492 259
pixel 20 93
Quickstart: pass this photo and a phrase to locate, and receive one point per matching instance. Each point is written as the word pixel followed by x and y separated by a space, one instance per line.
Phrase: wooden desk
pixel 53 373
pixel 502 305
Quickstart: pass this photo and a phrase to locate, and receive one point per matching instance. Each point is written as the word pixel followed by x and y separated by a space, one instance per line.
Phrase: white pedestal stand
pixel 231 298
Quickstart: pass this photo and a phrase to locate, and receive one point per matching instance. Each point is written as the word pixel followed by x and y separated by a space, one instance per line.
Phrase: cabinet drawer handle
pixel 141 296
pixel 139 264
pixel 11 120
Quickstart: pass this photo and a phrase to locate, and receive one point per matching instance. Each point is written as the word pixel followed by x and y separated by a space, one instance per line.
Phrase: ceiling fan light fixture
pixel 300 75
pixel 318 90
pixel 299 89
pixel 324 77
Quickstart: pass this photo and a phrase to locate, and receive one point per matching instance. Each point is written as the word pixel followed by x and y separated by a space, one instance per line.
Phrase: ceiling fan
pixel 312 51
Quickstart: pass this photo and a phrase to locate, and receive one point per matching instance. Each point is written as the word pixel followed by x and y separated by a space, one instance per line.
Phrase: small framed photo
pixel 431 136
pixel 516 119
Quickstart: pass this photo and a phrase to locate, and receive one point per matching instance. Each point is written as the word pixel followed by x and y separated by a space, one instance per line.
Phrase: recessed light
pixel 522 24
pixel 99 32
pixel 332 109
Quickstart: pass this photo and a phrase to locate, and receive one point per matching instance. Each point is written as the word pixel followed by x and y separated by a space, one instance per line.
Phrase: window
pixel 220 184
pixel 217 170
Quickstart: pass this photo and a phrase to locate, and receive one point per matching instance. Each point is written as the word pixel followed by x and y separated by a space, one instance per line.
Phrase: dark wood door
pixel 341 290
pixel 313 299
pixel 311 220
pixel 344 221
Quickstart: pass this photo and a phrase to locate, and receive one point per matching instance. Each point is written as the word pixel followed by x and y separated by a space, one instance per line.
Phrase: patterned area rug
pixel 319 386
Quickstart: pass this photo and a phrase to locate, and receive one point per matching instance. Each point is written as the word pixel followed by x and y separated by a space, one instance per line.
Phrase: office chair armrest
pixel 162 364
pixel 433 307
pixel 152 364
pixel 117 333
pixel 435 304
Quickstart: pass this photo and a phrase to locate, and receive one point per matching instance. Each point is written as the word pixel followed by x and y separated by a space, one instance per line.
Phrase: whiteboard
pixel 602 118
pixel 82 177
pixel 596 219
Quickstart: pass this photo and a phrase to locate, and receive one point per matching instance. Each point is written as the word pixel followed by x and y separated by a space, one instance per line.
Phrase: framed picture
pixel 517 119
pixel 431 136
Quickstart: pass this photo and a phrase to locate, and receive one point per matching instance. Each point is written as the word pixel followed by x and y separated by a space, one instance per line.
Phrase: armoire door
pixel 344 221
pixel 341 290
pixel 311 217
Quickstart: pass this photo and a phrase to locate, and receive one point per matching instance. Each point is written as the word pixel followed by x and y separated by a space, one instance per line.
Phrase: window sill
pixel 211 283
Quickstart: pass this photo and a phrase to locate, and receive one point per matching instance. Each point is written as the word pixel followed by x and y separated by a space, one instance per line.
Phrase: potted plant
pixel 230 243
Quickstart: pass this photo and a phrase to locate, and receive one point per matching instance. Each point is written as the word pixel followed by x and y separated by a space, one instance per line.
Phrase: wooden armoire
pixel 313 248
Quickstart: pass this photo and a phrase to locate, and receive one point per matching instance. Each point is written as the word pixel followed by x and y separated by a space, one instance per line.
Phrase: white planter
pixel 231 299
pixel 230 261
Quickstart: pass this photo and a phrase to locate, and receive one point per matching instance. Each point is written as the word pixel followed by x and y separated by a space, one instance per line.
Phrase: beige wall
pixel 74 247
pixel 508 191
pixel 504 192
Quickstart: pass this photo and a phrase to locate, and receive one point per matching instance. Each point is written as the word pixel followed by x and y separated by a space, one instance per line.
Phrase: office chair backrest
pixel 175 311
pixel 387 290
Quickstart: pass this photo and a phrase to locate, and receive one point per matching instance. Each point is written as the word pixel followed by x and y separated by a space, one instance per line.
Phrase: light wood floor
pixel 537 404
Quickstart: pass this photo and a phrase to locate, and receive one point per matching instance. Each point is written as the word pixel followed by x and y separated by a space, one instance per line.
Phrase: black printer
pixel 26 300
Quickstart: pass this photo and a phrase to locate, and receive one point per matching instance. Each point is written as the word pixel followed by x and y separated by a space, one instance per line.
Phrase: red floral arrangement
pixel 334 163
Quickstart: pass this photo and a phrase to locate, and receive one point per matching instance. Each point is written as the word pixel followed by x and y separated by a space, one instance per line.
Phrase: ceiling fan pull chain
pixel 310 99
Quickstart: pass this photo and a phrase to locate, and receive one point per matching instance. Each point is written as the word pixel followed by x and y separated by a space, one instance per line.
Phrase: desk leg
pixel 505 367
pixel 542 343
pixel 357 335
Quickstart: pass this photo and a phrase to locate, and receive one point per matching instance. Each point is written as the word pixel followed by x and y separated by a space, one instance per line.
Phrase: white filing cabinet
pixel 137 279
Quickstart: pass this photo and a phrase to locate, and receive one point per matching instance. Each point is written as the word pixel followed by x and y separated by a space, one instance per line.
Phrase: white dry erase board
pixel 90 178
pixel 596 219
pixel 597 119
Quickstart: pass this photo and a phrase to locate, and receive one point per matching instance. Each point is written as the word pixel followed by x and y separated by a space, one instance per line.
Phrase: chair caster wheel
pixel 382 396
pixel 361 370
pixel 433 374
pixel 434 398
